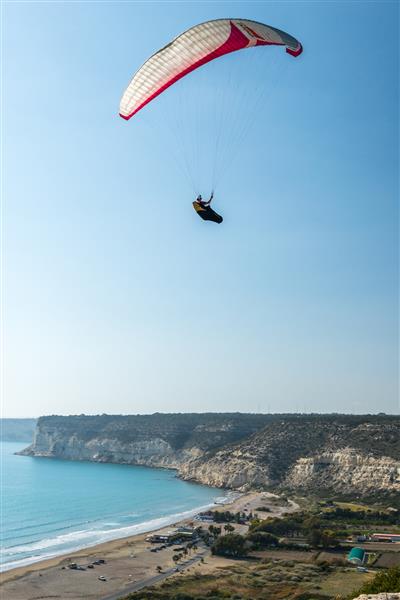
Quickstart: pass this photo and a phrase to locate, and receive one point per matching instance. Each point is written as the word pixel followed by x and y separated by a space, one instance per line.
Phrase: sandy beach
pixel 128 561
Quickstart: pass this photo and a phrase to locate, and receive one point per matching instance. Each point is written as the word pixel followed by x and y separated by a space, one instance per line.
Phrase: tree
pixel 314 538
pixel 310 523
pixel 229 528
pixel 329 540
pixel 261 539
pixel 386 581
pixel 231 544
pixel 254 524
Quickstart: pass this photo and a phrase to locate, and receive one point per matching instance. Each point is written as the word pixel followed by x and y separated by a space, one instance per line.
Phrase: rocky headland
pixel 346 454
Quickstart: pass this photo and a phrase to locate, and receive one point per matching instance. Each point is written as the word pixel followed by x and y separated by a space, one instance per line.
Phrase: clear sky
pixel 119 299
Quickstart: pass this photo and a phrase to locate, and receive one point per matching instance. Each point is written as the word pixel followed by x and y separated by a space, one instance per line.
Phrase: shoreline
pixel 128 564
pixel 179 519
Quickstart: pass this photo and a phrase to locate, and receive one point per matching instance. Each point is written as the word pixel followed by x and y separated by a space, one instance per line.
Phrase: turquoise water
pixel 51 507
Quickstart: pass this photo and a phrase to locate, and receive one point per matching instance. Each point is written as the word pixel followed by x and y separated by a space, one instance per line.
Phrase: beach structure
pixel 187 532
pixel 385 537
pixel 165 538
pixel 180 533
pixel 204 518
pixel 356 556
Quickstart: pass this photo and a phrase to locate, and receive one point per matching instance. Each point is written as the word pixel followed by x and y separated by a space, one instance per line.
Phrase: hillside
pixel 343 453
pixel 17 430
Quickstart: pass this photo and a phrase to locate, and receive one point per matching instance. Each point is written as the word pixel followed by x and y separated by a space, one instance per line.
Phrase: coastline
pixel 93 549
pixel 137 530
pixel 72 522
pixel 128 560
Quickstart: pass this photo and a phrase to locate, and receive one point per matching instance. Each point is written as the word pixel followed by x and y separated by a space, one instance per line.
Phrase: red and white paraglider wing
pixel 194 48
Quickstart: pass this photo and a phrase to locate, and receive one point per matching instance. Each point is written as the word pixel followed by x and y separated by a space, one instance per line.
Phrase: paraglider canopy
pixel 194 48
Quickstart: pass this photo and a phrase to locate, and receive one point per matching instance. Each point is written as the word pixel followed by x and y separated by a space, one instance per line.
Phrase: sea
pixel 51 507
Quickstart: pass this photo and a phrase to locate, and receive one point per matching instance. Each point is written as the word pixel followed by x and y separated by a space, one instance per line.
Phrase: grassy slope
pixel 280 580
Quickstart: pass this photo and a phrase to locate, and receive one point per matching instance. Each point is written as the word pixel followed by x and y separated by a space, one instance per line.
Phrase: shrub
pixel 263 508
pixel 387 581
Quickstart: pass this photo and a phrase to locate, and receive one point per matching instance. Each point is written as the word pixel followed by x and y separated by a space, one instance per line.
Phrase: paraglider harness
pixel 204 210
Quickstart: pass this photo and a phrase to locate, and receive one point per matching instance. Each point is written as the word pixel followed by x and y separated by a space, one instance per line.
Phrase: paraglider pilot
pixel 200 200
pixel 204 210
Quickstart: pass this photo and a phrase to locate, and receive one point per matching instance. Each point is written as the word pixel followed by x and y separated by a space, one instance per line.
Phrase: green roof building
pixel 356 556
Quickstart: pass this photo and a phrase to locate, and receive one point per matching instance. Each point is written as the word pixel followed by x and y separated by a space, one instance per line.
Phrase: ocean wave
pixel 41 528
pixel 78 540
pixel 46 529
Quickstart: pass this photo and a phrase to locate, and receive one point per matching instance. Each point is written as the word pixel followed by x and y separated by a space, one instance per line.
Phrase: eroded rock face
pixel 152 440
pixel 345 470
pixel 151 452
pixel 237 472
pixel 303 455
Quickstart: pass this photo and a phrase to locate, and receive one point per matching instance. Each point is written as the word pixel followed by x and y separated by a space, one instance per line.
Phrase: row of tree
pixel 226 516
pixel 269 533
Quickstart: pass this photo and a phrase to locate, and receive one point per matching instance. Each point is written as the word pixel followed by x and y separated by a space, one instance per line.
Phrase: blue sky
pixel 118 298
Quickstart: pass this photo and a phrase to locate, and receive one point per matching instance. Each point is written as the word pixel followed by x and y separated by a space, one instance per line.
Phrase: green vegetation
pixel 263 509
pixel 361 517
pixel 302 434
pixel 257 580
pixel 301 524
pixel 386 581
pixel 352 506
pixel 231 544
pixel 226 516
pixel 320 530
pixel 268 533
pixel 206 430
pixel 260 540
pixel 296 557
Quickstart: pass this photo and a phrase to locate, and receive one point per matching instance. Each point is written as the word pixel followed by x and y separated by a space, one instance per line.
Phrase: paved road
pixel 135 587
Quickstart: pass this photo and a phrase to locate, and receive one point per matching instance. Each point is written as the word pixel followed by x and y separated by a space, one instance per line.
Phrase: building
pixel 356 556
pixel 187 533
pixel 204 518
pixel 360 538
pixel 166 538
pixel 385 537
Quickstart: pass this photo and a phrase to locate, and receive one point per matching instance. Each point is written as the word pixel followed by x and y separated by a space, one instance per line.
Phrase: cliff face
pixel 152 440
pixel 329 453
pixel 346 470
pixel 344 454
